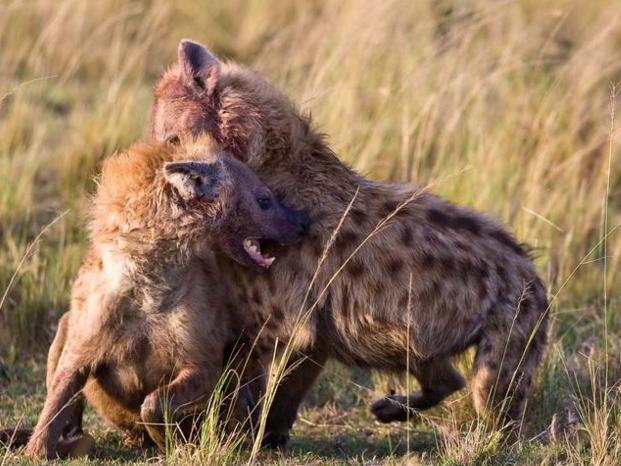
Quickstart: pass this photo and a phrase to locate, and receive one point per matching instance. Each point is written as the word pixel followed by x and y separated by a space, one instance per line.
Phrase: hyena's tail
pixel 14 438
pixel 508 355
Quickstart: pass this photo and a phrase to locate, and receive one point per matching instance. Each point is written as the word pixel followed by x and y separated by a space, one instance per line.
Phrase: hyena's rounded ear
pixel 199 68
pixel 196 180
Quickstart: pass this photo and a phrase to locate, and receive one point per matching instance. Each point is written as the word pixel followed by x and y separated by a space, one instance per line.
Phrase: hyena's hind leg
pixel 507 360
pixel 438 379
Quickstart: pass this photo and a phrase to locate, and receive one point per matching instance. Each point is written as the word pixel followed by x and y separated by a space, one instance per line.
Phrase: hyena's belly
pixel 389 340
pixel 363 342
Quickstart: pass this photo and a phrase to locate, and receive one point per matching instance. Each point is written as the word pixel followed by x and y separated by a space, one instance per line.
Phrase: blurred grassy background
pixel 504 106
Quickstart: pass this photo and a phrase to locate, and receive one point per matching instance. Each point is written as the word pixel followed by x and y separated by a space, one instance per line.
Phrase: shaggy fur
pixel 433 280
pixel 147 333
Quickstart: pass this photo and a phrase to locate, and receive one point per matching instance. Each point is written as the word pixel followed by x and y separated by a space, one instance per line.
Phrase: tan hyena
pixel 150 317
pixel 434 280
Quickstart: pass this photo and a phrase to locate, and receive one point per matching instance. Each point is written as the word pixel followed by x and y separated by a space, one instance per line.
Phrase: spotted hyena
pixel 410 280
pixel 147 331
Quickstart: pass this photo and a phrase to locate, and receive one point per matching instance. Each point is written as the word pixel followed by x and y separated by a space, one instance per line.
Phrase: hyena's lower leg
pixel 505 365
pixel 438 379
pixel 74 442
pixel 289 395
pixel 74 422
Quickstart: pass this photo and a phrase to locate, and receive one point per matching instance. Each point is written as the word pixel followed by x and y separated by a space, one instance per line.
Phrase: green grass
pixel 502 106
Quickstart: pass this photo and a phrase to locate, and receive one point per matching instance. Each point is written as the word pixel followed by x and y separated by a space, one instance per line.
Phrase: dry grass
pixel 504 106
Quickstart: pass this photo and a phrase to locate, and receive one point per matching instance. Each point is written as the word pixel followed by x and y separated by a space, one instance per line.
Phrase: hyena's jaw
pixel 252 246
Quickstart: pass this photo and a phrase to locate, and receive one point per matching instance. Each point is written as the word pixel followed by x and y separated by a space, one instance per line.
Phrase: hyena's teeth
pixel 269 261
pixel 251 245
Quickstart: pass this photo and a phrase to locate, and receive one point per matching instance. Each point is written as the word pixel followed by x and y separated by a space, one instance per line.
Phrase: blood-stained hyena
pixel 409 277
pixel 150 318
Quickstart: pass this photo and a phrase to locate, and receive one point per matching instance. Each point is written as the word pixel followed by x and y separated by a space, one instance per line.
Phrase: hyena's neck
pixel 311 177
pixel 344 209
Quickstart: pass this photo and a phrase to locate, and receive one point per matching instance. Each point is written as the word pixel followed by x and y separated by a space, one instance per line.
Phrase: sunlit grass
pixel 502 106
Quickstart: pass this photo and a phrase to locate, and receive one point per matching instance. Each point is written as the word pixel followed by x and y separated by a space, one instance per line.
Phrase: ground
pixel 508 107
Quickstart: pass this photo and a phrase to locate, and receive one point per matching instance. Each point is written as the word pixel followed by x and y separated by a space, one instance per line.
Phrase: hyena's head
pixel 195 196
pixel 250 117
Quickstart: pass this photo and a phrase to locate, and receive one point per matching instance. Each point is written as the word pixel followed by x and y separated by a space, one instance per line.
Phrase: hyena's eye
pixel 173 139
pixel 264 202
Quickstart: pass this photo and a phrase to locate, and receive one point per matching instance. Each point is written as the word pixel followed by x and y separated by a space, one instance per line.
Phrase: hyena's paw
pixel 275 439
pixel 37 450
pixel 74 446
pixel 392 408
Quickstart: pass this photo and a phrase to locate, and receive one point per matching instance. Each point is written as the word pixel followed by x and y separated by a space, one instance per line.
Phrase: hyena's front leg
pixel 438 379
pixel 69 378
pixel 179 401
pixel 74 423
pixel 289 396
pixel 74 442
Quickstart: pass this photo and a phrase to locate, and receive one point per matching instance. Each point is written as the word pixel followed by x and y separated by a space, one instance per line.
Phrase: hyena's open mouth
pixel 252 246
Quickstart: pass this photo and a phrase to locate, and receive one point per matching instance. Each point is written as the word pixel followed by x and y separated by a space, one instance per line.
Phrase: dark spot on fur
pixel 280 194
pixel 485 346
pixel 506 240
pixel 456 222
pixel 264 346
pixel 394 266
pixel 448 263
pixel 539 293
pixel 403 301
pixel 389 207
pixel 406 236
pixel 465 248
pixel 463 269
pixel 256 297
pixel 277 313
pixel 355 268
pixel 494 325
pixel 346 239
pixel 525 305
pixel 316 245
pixel 272 324
pixel 502 274
pixel 468 223
pixel 428 260
pixel 430 293
pixel 439 218
pixel 358 216
pixel 481 272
